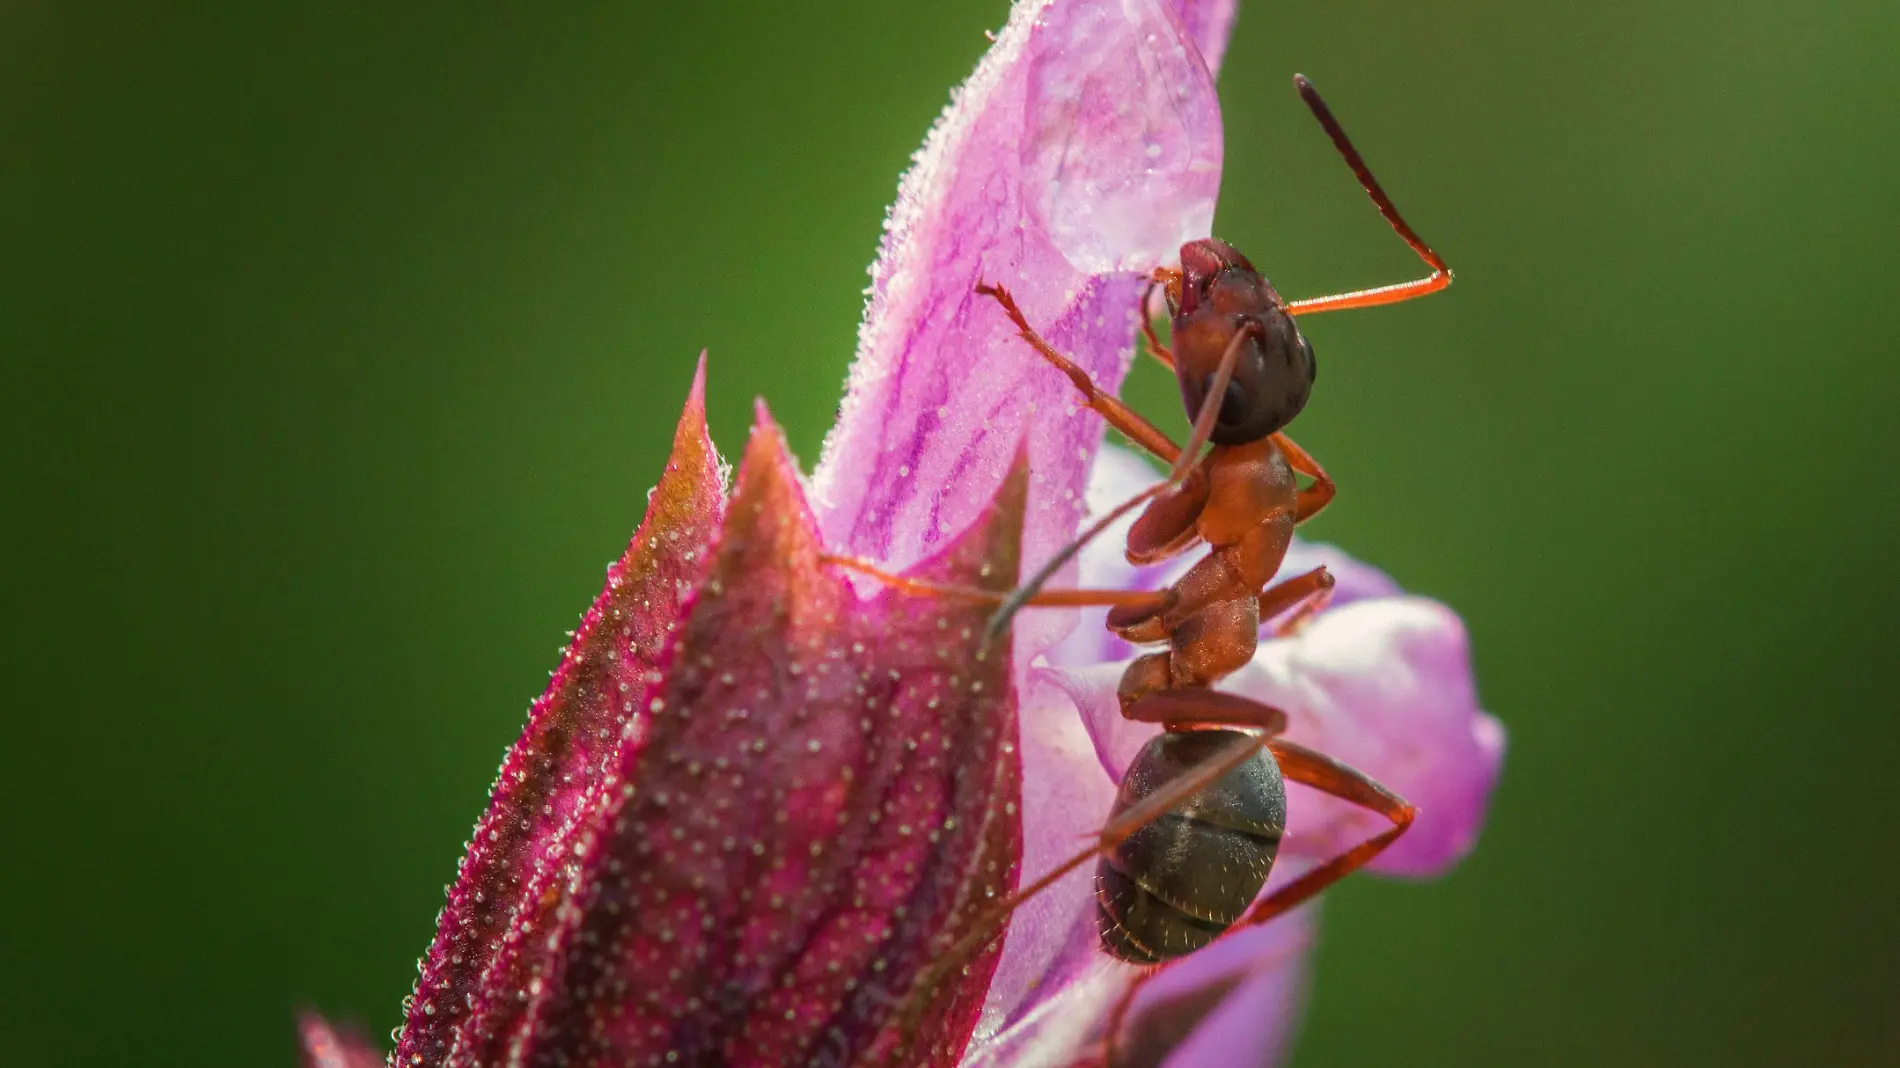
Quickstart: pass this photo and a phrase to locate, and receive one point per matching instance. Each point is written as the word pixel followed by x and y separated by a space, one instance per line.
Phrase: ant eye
pixel 1312 367
pixel 1235 405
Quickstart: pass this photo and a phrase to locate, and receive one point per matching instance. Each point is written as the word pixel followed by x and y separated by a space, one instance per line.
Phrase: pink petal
pixel 827 803
pixel 1209 23
pixel 1052 940
pixel 551 782
pixel 324 1046
pixel 1235 1002
pixel 1083 151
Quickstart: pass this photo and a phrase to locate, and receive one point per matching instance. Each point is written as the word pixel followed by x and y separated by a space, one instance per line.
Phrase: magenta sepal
pixel 552 781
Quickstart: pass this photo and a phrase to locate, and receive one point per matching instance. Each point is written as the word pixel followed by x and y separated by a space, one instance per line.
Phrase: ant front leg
pixel 1156 349
pixel 1118 415
pixel 1173 686
pixel 1316 496
pixel 1169 525
pixel 1186 461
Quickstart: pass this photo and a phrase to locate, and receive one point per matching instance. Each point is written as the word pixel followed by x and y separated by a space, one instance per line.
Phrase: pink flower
pixel 1082 153
pixel 764 811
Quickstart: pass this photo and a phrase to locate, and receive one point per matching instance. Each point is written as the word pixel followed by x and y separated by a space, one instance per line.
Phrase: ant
pixel 1199 815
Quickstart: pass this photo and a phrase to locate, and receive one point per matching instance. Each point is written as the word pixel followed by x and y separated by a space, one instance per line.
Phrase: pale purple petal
pixel 1235 1002
pixel 1122 144
pixel 1052 942
pixel 1116 739
pixel 1084 150
pixel 1251 985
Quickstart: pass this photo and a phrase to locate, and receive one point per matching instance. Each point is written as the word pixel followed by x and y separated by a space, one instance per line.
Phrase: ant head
pixel 1217 296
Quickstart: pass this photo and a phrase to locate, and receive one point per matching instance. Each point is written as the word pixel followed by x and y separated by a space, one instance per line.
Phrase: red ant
pixel 1199 815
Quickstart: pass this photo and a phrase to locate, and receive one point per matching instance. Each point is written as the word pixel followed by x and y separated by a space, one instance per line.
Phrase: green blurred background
pixel 340 347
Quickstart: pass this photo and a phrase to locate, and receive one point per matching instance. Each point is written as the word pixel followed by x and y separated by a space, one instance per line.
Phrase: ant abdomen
pixel 1178 882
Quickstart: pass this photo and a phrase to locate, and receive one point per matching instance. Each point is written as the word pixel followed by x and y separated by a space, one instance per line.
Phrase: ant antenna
pixel 1368 298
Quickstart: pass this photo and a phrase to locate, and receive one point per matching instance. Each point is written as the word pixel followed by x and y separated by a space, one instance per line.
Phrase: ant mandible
pixel 1166 887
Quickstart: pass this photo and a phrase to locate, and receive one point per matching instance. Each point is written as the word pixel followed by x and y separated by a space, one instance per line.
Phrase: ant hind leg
pixel 1311 768
pixel 1315 769
pixel 985 928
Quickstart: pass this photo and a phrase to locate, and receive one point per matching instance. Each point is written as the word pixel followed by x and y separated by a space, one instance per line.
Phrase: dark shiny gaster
pixel 1176 884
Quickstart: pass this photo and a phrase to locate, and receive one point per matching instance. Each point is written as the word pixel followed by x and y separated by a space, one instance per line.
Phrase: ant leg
pixel 1155 347
pixel 1147 600
pixel 1367 298
pixel 1301 765
pixel 1307 595
pixel 1169 526
pixel 1170 279
pixel 1215 641
pixel 1119 415
pixel 1184 465
pixel 1112 834
pixel 1316 769
pixel 1316 496
pixel 1203 705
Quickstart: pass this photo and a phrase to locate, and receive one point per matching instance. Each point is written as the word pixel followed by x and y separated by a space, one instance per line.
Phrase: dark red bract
pixel 753 810
pixel 552 782
pixel 827 798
